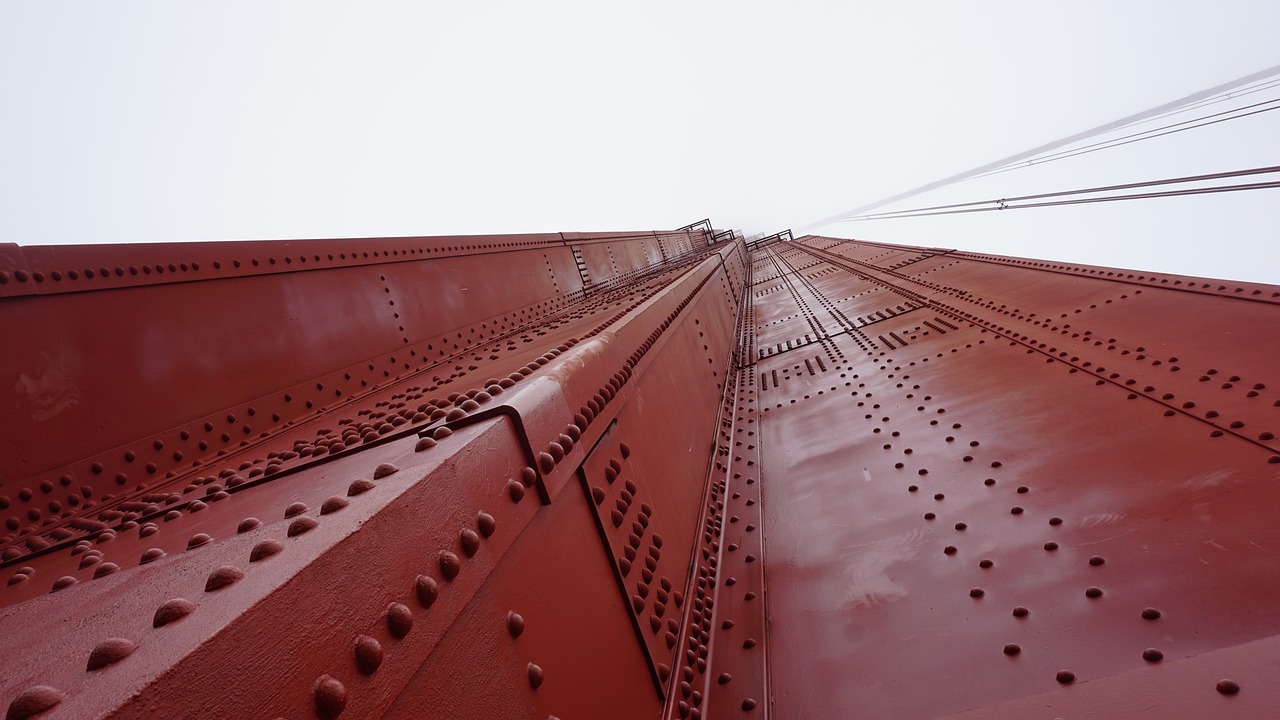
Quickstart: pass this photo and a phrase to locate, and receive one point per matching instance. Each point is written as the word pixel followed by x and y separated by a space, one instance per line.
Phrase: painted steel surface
pixel 354 488
pixel 1013 487
pixel 632 475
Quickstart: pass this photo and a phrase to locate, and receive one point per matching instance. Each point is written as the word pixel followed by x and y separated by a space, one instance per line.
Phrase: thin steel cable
pixel 1206 94
pixel 1137 137
pixel 1109 198
pixel 1229 95
pixel 1003 203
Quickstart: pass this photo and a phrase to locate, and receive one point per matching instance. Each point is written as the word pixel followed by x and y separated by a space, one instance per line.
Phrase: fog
pixel 171 122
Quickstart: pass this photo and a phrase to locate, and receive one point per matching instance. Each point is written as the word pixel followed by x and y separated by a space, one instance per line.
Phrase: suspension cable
pixel 1182 103
pixel 1005 203
pixel 1139 136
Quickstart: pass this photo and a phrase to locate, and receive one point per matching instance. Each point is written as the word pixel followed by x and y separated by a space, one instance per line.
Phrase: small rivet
pixel 1152 655
pixel 949 550
pixel 172 611
pixel 295 509
pixel 333 505
pixel 535 676
pixel 1097 560
pixel 248 524
pixel 546 462
pixel 1150 614
pixel 977 592
pixel 330 697
pixel 359 486
pixel 399 619
pixel 384 470
pixel 110 652
pixel 449 565
pixel 63 583
pixel 1012 649
pixel 515 624
pixel 1020 611
pixel 486 524
pixel 1228 687
pixel 1093 592
pixel 301 525
pixel 469 541
pixel 264 550
pixel 1066 677
pixel 515 490
pixel 33 701
pixel 369 654
pixel 197 540
pixel 222 577
pixel 426 589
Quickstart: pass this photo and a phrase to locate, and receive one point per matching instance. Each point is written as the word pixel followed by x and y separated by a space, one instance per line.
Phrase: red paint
pixel 655 477
pixel 1026 367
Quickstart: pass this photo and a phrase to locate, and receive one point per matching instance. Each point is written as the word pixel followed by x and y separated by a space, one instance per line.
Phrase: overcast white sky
pixel 181 121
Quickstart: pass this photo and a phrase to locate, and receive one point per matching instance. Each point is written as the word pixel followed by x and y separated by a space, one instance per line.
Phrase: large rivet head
pixel 546 462
pixel 33 701
pixel 486 524
pixel 399 620
pixel 330 697
pixel 515 624
pixel 172 611
pixel 264 550
pixel 368 653
pixel 426 589
pixel 515 490
pixel 333 505
pixel 222 577
pixel 301 525
pixel 110 652
pixel 449 565
pixel 469 541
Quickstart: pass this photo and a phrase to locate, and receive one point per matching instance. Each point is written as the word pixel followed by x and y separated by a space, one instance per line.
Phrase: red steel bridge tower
pixel 671 474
